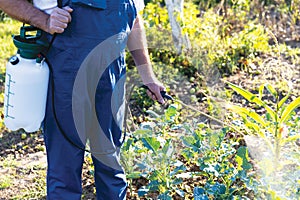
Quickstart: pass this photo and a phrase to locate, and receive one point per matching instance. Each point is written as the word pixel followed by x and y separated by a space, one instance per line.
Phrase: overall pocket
pixel 98 4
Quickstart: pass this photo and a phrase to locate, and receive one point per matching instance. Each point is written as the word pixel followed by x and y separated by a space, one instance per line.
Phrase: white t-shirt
pixel 45 5
pixel 49 5
pixel 139 4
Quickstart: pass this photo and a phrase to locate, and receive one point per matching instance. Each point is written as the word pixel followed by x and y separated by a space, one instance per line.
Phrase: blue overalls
pixel 82 88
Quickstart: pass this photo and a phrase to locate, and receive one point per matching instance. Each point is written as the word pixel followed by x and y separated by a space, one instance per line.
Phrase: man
pixel 85 98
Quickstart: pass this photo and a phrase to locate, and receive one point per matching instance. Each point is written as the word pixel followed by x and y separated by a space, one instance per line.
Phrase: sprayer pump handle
pixel 25 29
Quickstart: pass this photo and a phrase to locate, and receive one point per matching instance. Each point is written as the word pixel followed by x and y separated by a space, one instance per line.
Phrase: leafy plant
pixel 162 168
pixel 224 168
pixel 128 158
pixel 273 127
pixel 5 182
pixel 150 153
pixel 159 160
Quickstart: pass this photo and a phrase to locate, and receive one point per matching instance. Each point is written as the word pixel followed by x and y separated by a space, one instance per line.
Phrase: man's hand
pixel 27 13
pixel 154 90
pixel 137 45
pixel 59 19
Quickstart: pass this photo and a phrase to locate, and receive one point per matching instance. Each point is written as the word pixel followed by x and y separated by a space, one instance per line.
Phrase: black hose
pixel 59 4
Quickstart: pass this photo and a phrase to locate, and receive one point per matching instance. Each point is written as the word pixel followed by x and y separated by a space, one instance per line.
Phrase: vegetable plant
pixel 276 128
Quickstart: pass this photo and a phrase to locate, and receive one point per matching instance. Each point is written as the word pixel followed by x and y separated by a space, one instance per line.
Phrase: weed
pixel 5 182
pixel 274 129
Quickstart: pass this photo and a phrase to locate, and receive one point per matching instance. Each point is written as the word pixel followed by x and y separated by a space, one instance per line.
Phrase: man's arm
pixel 137 45
pixel 25 12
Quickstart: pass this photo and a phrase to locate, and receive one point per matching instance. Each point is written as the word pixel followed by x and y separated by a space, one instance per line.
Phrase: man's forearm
pixel 25 12
pixel 137 45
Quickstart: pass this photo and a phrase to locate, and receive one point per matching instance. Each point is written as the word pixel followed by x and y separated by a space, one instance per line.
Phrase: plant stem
pixel 277 137
pixel 130 183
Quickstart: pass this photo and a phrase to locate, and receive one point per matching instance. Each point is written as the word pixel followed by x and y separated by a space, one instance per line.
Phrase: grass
pixel 8 28
pixel 22 178
pixel 5 181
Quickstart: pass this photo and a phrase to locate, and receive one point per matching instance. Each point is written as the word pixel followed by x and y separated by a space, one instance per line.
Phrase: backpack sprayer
pixel 26 82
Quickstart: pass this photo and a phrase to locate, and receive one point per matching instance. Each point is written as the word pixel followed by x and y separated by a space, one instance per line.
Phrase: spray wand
pixel 165 95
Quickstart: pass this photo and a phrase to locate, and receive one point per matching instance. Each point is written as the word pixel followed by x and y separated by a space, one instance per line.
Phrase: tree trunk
pixel 175 12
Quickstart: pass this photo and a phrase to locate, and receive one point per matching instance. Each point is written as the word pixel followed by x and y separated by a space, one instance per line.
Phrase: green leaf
pixel 127 144
pixel 188 154
pixel 154 183
pixel 268 116
pixel 142 191
pixel 168 148
pixel 271 89
pixel 152 113
pixel 164 196
pixel 171 111
pixel 261 90
pixel 243 112
pixel 151 143
pixel 133 175
pixel 188 141
pixel 283 100
pixel 142 132
pixel 252 98
pixel 250 113
pixel 178 168
pixel 179 192
pixel 176 181
pixel 217 189
pixel 291 138
pixel 214 140
pixel 199 194
pixel 243 158
pixel 239 162
pixel 256 128
pixel 289 109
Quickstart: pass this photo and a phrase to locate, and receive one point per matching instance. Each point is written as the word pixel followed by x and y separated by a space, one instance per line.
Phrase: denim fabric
pixel 92 3
pixel 89 29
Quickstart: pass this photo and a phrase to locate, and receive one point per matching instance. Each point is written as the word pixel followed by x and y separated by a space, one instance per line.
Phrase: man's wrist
pixel 40 21
pixel 146 73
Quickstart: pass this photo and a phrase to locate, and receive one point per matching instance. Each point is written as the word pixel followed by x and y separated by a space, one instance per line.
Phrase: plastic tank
pixel 26 84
